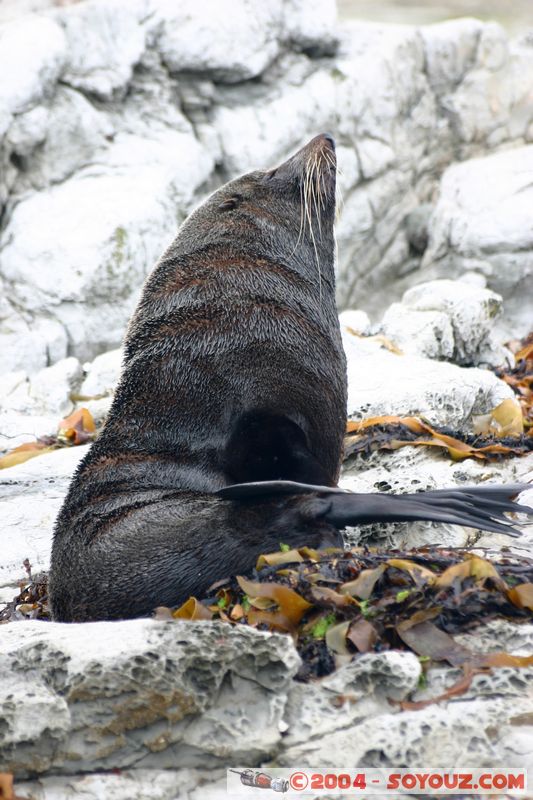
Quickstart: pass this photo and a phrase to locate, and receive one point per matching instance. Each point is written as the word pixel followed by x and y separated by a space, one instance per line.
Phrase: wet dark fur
pixel 233 371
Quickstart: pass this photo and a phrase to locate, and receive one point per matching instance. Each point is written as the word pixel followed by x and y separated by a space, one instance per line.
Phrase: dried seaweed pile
pixel 493 441
pixel 31 602
pixel 506 431
pixel 337 604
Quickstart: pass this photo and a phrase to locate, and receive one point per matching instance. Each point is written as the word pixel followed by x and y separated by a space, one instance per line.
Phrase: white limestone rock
pixel 499 635
pixel 257 33
pixel 444 319
pixel 150 694
pixel 15 393
pixel 493 102
pixel 102 374
pixel 55 139
pixel 10 381
pixel 444 735
pixel 199 43
pixel 412 469
pixel 33 53
pixel 130 784
pixel 97 235
pixel 250 133
pixel 355 320
pixel 370 681
pixel 105 39
pixel 311 25
pixel 27 343
pixel 31 495
pixel 382 382
pixel 482 221
pixel 451 49
pixel 98 409
pixel 474 95
pixel 52 387
pixel 17 428
pixel 420 333
pixel 395 135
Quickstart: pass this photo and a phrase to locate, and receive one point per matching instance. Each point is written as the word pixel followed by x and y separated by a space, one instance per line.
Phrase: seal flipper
pixel 479 507
pixel 458 507
pixel 245 491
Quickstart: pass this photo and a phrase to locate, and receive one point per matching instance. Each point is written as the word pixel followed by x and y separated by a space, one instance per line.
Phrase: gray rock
pixel 48 392
pixel 100 233
pixel 102 374
pixel 16 428
pixel 452 320
pixel 105 40
pixel 133 784
pixel 27 343
pixel 443 735
pixel 451 50
pixel 82 153
pixel 52 387
pixel 249 133
pixel 310 25
pixel 355 320
pixel 258 33
pixel 31 495
pixel 357 690
pixel 421 121
pixel 411 469
pixel 192 43
pixel 417 227
pixel 33 52
pixel 425 333
pixel 150 694
pixel 482 221
pixel 53 140
pixel 382 382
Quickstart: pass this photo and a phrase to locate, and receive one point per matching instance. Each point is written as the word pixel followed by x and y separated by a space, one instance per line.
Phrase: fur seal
pixel 225 433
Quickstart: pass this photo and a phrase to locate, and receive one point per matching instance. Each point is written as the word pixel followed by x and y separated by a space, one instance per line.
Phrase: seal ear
pixel 230 203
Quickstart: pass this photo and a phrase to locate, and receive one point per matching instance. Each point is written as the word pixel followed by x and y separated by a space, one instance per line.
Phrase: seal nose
pixel 329 139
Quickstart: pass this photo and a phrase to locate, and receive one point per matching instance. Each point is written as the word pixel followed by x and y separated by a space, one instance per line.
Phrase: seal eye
pixel 230 202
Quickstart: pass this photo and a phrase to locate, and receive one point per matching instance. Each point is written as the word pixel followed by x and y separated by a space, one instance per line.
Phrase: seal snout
pixel 327 140
pixel 322 144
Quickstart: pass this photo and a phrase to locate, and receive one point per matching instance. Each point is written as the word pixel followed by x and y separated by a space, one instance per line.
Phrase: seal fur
pixel 233 372
pixel 225 434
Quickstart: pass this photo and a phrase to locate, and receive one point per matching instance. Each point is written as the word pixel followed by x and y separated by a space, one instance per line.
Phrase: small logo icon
pixel 260 780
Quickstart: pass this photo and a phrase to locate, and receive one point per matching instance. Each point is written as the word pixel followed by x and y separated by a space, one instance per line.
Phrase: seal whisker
pixel 323 194
pixel 315 190
pixel 302 217
pixel 309 195
pixel 339 197
pixel 321 185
